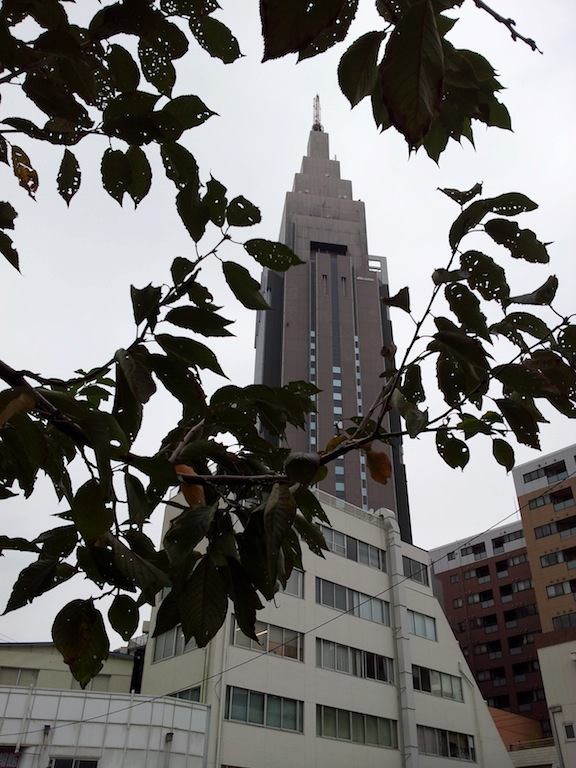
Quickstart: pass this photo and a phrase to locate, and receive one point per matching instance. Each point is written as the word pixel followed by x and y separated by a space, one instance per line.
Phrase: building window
pixel 8 758
pixel 352 661
pixel 437 683
pixel 295 584
pixel 356 727
pixel 451 555
pixel 569 731
pixel 415 571
pixel 172 643
pixel 563 588
pixel 499 542
pixel 337 410
pixel 98 683
pixel 422 625
pixel 71 762
pixel 478 550
pixel 455 578
pixel 353 549
pixel 340 487
pixel 336 382
pixel 337 396
pixel 336 369
pixel 188 694
pixel 264 709
pixel 20 676
pixel 356 603
pixel 436 741
pixel 564 622
pixel 338 470
pixel 457 602
pixel 553 473
pixel 271 639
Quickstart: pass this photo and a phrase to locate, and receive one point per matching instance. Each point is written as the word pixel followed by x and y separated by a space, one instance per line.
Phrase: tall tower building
pixel 327 323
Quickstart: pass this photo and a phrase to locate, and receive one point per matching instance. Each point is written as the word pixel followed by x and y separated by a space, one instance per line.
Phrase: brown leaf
pixel 24 171
pixel 19 404
pixel 194 494
pixel 379 466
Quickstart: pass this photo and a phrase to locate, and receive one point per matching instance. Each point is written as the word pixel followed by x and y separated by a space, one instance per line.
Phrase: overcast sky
pixel 70 308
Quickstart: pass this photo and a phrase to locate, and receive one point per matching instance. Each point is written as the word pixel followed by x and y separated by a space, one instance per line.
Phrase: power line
pixel 337 616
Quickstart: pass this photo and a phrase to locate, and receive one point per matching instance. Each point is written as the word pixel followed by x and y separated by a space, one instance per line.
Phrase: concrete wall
pixel 558 667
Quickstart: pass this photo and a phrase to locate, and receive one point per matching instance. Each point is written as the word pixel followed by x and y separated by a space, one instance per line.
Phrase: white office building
pixel 357 666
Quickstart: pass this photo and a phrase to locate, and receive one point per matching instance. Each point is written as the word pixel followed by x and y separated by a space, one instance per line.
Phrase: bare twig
pixel 510 24
pixel 185 440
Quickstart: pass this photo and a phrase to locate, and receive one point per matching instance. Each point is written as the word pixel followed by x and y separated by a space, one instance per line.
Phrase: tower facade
pixel 327 324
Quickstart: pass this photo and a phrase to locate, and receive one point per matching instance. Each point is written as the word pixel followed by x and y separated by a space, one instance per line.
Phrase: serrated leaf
pixel 509 204
pixel 124 616
pixel 522 243
pixel 192 352
pixel 145 304
pixel 462 197
pixel 216 202
pixel 243 286
pixel 115 173
pixel 215 38
pixel 89 511
pixel 8 251
pixel 138 377
pixel 521 420
pixel 123 68
pixel 242 213
pixel 194 213
pixel 137 570
pixel 37 579
pixel 466 307
pixel 521 321
pixel 275 256
pixel 412 72
pixel 140 174
pixel 358 67
pixel 157 67
pixel 412 387
pixel 79 634
pixel 309 505
pixel 187 111
pixel 180 165
pixel 69 176
pixel 311 534
pixel 454 452
pixel 485 276
pixel 203 321
pixel 203 603
pixel 544 295
pixel 185 532
pixel 400 300
pixel 472 426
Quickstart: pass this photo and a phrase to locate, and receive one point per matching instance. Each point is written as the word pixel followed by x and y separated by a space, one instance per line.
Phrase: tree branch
pixel 510 24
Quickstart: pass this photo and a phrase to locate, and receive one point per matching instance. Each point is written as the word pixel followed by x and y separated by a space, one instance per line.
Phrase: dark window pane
pixel 274 712
pixel 351 549
pixel 256 708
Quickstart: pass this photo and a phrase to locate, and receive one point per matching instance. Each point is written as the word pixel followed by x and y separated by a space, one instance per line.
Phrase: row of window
pixel 437 683
pixel 499 541
pixel 353 661
pixel 567 556
pixel 172 643
pixel 264 709
pixel 353 549
pixel 341 724
pixel 566 621
pixel 353 602
pixel 415 571
pixel 25 677
pixel 271 639
pixel 437 741
pixel 554 473
pixel 563 588
pixel 561 500
pixel 565 527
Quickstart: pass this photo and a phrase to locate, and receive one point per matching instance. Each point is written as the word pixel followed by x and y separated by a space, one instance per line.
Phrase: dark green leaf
pixel 8 251
pixel 522 243
pixel 309 505
pixel 279 515
pixel 521 420
pixel 69 176
pixel 485 276
pixel 179 380
pixel 412 387
pixel 510 204
pixel 7 216
pixel 203 603
pixel 203 321
pixel 358 68
pixel 36 579
pixel 543 295
pixel 194 213
pixel 138 377
pixel 435 141
pixel 137 570
pixel 185 533
pixel 466 307
pixel 123 68
pixel 115 173
pixel 127 409
pixel 58 542
pixel 243 286
pixel 124 616
pixel 192 352
pixel 138 505
pixel 215 38
pixel 521 321
pixel 441 276
pixel 454 452
pixel 4 151
pixel 462 197
pixel 157 67
pixel 216 202
pixel 275 256
pixel 472 426
pixel 140 174
pixel 187 111
pixel 242 213
pixel 469 351
pixel 180 165
pixel 503 453
pixel 145 304
pixel 311 534
pixel 19 545
pixel 400 300
pixel 90 514
pixel 80 636
pixel 412 72
pixel 244 597
pixel 304 27
pixel 167 616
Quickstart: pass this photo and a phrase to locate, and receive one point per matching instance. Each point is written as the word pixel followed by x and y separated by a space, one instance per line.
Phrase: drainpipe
pixel 555 711
pixel 408 735
pixel 477 729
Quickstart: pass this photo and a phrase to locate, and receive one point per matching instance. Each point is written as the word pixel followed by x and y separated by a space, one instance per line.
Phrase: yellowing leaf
pixel 23 170
pixel 379 466
pixel 334 442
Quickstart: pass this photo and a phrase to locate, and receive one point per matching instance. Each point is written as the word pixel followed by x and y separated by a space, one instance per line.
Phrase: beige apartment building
pixel 357 665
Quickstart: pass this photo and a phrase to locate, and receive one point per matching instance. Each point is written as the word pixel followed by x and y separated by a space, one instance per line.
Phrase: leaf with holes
pixel 509 204
pixel 311 534
pixel 358 68
pixel 412 387
pixel 215 201
pixel 157 67
pixel 187 112
pixel 243 286
pixel 7 216
pixel 115 173
pixel 180 165
pixel 485 276
pixel 146 304
pixel 462 197
pixel 123 69
pixel 412 72
pixel 454 452
pixel 544 295
pixel 23 170
pixel 79 634
pixel 124 616
pixel 89 511
pixel 275 256
pixel 139 174
pixel 522 421
pixel 503 453
pixel 522 243
pixel 215 38
pixel 194 213
pixel 69 176
pixel 242 213
pixel 37 579
pixel 466 307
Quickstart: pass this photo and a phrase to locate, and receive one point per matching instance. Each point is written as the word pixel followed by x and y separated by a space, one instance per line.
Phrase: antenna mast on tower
pixel 317 122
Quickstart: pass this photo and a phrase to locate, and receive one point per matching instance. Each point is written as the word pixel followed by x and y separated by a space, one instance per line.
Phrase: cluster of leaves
pixel 246 508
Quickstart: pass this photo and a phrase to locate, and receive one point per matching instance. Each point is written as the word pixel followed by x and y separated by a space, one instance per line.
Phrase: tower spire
pixel 317 122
